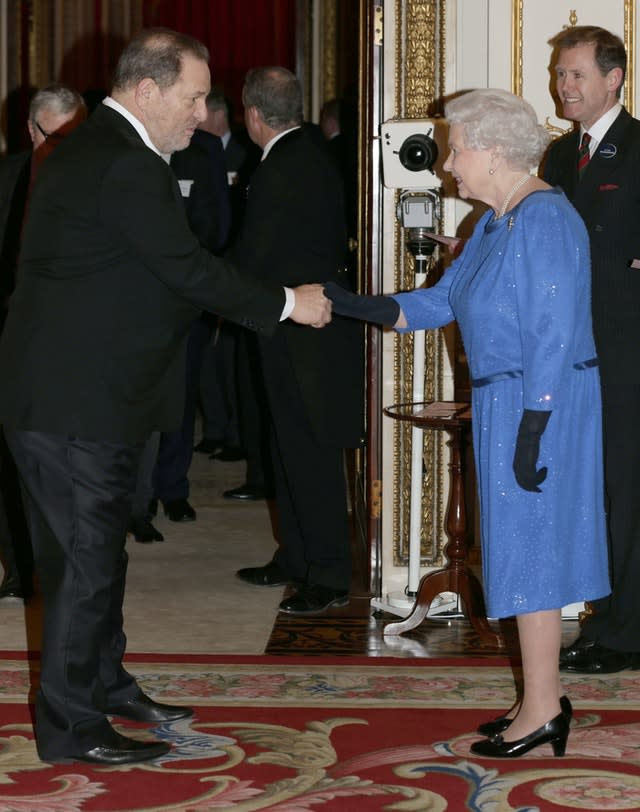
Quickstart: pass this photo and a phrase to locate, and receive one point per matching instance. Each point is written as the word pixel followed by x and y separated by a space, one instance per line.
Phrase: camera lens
pixel 418 152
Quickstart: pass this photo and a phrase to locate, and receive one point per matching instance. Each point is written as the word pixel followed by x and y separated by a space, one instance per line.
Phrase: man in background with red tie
pixel 601 176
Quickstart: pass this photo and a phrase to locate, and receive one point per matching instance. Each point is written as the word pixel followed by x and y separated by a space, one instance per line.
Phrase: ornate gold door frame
pixel 419 73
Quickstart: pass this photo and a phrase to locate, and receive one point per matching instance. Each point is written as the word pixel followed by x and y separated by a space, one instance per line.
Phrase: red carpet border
pixel 312 734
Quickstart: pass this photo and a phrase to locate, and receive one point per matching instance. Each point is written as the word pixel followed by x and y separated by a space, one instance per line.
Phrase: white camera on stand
pixel 413 151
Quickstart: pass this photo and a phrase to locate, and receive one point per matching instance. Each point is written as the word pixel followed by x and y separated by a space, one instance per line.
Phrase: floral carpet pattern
pixel 311 734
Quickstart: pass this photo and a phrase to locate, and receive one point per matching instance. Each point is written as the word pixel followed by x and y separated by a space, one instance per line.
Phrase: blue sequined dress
pixel 520 292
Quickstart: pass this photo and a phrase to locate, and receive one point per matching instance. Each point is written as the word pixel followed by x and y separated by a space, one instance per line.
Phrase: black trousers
pixel 616 619
pixel 15 544
pixel 310 485
pixel 218 396
pixel 78 505
pixel 175 452
pixel 253 409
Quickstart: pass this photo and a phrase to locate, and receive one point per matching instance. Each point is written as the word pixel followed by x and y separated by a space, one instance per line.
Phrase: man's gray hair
pixel 156 53
pixel 496 119
pixel 216 101
pixel 276 94
pixel 55 98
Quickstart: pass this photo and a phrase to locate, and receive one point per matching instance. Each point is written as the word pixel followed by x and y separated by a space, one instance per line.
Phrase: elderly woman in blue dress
pixel 520 292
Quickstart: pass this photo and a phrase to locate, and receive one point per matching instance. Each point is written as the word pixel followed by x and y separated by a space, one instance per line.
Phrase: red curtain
pixel 240 34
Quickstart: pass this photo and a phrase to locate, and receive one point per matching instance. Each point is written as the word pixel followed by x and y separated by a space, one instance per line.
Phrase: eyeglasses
pixel 55 136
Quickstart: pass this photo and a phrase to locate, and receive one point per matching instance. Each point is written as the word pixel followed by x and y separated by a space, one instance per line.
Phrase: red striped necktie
pixel 583 153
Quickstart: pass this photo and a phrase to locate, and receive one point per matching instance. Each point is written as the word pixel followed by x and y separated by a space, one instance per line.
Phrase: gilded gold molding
pixel 516 47
pixel 329 76
pixel 419 77
pixel 630 45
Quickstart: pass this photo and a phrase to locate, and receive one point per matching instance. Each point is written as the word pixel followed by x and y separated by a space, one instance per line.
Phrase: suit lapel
pixel 603 171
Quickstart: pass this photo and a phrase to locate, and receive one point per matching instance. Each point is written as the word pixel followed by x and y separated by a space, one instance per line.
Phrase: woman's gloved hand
pixel 376 309
pixel 531 429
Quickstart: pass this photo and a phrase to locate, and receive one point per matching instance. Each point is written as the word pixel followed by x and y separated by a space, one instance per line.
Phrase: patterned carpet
pixel 309 734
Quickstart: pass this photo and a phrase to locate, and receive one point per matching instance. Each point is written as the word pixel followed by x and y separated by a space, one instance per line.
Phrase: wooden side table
pixel 455 419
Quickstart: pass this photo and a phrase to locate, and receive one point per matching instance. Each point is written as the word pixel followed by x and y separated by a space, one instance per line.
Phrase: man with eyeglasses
pixel 54 111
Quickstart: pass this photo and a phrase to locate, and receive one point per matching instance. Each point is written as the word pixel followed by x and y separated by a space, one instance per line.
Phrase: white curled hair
pixel 496 119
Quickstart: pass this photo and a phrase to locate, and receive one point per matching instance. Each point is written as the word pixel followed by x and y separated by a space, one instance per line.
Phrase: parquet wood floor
pixel 358 630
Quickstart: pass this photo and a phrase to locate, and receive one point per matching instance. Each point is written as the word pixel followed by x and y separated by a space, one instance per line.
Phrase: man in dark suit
pixel 218 395
pixel 92 359
pixel 293 231
pixel 53 112
pixel 338 122
pixel 164 468
pixel 602 180
pixel 203 183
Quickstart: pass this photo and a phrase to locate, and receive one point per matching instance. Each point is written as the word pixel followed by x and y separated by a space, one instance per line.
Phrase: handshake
pixel 316 303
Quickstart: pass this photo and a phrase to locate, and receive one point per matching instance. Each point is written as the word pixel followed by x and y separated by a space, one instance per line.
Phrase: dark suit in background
pixel 54 110
pixel 15 171
pixel 608 199
pixel 201 174
pixel 218 390
pixel 15 546
pixel 294 231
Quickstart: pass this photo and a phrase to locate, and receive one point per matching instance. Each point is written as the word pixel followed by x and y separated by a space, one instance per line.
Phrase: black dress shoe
pixel 501 723
pixel 246 493
pixel 575 649
pixel 228 453
pixel 179 510
pixel 143 531
pixel 555 732
pixel 589 657
pixel 11 590
pixel 208 446
pixel 269 575
pixel 313 599
pixel 117 749
pixel 144 709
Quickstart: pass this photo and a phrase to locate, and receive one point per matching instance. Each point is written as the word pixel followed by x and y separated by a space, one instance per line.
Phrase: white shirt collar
pixel 135 122
pixel 269 144
pixel 599 129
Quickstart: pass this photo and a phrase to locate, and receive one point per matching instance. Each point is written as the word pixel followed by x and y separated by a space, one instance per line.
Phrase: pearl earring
pixel 491 171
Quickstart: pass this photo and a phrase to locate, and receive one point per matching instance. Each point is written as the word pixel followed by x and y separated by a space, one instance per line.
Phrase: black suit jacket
pixel 294 232
pixel 15 172
pixel 110 279
pixel 608 199
pixel 234 155
pixel 202 176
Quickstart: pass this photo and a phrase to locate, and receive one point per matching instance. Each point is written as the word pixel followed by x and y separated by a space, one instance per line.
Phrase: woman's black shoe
pixel 499 725
pixel 554 732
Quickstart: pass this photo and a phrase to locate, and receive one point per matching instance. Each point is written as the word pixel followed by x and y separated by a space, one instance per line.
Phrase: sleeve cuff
pixel 289 304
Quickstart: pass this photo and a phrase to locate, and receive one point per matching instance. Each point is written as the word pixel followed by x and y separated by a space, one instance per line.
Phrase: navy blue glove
pixel 531 429
pixel 376 309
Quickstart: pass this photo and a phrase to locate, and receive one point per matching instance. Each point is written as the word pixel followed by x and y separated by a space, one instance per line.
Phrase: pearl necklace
pixel 514 189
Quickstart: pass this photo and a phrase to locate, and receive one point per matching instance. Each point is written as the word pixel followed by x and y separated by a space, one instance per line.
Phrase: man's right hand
pixel 312 306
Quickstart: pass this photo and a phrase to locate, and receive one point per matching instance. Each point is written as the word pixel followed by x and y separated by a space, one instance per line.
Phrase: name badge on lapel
pixel 607 150
pixel 185 187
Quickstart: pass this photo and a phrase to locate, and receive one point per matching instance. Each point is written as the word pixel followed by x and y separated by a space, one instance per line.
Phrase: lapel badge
pixel 607 150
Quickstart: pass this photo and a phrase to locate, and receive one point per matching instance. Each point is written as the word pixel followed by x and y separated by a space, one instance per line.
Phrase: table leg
pixel 455 576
